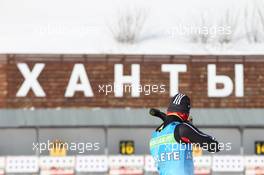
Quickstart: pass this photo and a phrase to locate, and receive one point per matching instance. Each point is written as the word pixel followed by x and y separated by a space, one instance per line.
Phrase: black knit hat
pixel 180 103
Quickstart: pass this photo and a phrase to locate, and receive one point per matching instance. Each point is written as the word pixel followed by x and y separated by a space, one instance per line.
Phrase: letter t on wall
pixel 174 70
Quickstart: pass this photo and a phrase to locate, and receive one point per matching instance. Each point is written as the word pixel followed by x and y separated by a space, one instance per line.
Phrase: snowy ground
pixel 165 26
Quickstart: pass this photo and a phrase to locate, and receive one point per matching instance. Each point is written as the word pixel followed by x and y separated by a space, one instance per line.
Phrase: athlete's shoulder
pixel 187 125
pixel 175 123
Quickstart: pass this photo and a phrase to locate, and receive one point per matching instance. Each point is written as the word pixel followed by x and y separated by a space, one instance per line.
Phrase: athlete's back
pixel 171 142
pixel 171 157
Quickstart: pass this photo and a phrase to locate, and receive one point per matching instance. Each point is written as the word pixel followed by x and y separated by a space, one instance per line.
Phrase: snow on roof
pixel 132 27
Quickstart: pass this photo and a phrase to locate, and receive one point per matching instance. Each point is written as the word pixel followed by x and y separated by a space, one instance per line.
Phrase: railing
pixel 140 164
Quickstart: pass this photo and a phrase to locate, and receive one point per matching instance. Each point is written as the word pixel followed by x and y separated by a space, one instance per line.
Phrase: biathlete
pixel 171 143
